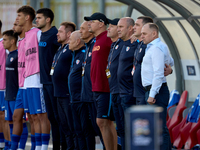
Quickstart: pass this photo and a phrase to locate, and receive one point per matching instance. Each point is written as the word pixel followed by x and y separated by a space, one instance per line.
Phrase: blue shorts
pixel 104 105
pixel 36 102
pixel 2 100
pixel 9 110
pixel 21 100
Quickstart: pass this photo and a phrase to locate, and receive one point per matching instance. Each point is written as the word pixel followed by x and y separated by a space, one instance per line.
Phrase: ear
pixel 78 42
pixel 12 41
pixel 27 17
pixel 101 24
pixel 130 28
pixel 48 20
pixel 154 33
pixel 69 33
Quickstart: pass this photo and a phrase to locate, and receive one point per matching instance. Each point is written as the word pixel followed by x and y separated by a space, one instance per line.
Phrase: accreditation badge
pixel 83 71
pixel 133 70
pixel 52 71
pixel 108 74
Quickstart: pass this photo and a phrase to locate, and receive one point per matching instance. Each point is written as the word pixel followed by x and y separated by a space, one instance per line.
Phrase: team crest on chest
pixel 116 47
pixel 64 50
pixel 127 49
pixel 90 54
pixel 11 59
pixel 77 61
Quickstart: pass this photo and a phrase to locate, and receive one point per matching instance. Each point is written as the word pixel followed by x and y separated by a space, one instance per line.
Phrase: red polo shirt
pixel 99 63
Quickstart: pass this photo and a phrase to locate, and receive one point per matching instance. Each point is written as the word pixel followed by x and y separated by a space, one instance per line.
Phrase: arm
pixel 158 69
pixel 133 38
pixel 167 70
pixel 39 35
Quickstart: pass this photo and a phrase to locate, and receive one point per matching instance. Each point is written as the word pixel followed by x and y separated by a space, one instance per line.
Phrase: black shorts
pixel 104 105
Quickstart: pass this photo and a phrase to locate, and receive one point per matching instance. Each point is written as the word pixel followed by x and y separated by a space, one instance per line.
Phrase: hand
pixel 167 70
pixel 151 100
pixel 133 38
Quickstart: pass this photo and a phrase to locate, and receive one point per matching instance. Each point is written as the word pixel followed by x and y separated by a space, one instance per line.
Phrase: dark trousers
pixel 119 117
pixel 162 99
pixel 127 101
pixel 66 121
pixel 83 126
pixel 140 100
pixel 52 112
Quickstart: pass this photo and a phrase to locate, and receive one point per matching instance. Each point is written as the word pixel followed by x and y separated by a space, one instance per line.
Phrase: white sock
pixel 44 147
pixel 20 149
pixel 38 147
pixel 2 144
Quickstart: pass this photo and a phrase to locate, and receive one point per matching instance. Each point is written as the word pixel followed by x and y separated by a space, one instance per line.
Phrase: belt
pixel 147 88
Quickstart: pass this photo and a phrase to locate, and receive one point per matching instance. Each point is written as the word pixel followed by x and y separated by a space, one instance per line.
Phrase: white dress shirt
pixel 153 64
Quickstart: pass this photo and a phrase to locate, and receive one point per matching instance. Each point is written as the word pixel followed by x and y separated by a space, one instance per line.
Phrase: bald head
pixel 77 35
pixel 129 21
pixel 153 27
pixel 75 41
pixel 85 34
pixel 149 32
pixel 125 28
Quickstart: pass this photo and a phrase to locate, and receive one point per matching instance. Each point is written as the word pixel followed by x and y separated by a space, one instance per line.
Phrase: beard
pixel 90 30
pixel 18 32
pixel 41 26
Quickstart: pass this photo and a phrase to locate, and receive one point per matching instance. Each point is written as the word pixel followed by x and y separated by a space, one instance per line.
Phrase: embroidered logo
pixel 11 59
pixel 127 49
pixel 116 47
pixel 77 61
pixel 89 54
pixel 64 50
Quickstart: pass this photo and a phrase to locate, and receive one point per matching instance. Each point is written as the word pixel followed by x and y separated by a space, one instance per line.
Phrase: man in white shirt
pixel 153 79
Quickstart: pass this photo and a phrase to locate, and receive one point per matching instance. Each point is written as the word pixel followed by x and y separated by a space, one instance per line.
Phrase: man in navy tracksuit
pixel 48 46
pixel 139 92
pixel 88 111
pixel 59 72
pixel 125 78
pixel 76 44
pixel 113 61
pixel 9 43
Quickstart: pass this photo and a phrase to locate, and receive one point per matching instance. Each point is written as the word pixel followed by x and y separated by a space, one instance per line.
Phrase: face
pixel 93 25
pixel 14 26
pixel 72 42
pixel 84 30
pixel 147 34
pixel 138 27
pixel 62 35
pixel 122 28
pixel 40 21
pixel 112 31
pixel 21 19
pixel 6 42
pixel 17 28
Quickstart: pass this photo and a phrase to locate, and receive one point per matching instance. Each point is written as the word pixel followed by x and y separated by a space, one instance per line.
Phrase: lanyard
pixel 136 53
pixel 112 53
pixel 84 63
pixel 55 59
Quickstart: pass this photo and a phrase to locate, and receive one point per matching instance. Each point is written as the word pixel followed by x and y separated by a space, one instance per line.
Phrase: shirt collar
pixel 152 43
